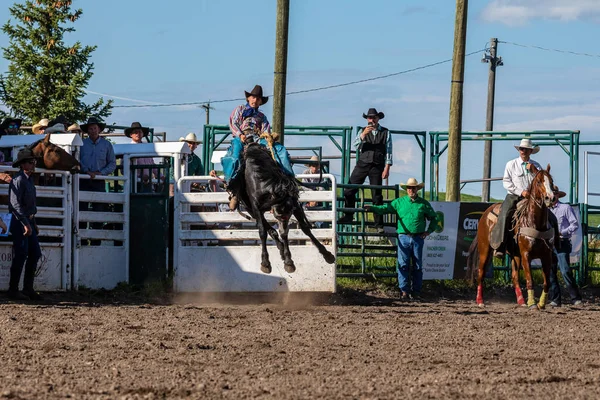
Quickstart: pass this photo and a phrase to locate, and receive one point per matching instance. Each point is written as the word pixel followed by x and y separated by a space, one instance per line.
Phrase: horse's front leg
pixel 515 266
pixel 527 270
pixel 265 265
pixel 546 265
pixel 301 217
pixel 288 263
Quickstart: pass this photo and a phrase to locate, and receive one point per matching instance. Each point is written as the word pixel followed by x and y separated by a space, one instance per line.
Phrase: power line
pixel 548 49
pixel 300 91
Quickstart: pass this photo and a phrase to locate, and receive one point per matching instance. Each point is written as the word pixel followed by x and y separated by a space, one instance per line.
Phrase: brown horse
pixel 533 239
pixel 50 156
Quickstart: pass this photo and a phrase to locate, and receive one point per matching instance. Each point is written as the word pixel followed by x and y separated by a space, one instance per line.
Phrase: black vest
pixel 373 148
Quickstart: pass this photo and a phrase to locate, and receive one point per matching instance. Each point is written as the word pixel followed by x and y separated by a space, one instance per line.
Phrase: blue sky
pixel 187 51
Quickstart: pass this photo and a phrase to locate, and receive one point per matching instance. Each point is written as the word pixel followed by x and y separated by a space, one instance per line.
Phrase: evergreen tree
pixel 46 77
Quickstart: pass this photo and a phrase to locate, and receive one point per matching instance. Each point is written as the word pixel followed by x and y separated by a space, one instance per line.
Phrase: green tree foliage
pixel 46 76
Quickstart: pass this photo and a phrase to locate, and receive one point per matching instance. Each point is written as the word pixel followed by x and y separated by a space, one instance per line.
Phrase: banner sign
pixel 440 247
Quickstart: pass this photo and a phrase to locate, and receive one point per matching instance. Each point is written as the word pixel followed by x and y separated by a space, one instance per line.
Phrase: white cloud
pixel 584 123
pixel 519 12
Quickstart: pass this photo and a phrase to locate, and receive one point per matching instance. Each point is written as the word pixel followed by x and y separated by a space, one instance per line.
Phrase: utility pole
pixel 281 50
pixel 456 102
pixel 494 62
pixel 207 109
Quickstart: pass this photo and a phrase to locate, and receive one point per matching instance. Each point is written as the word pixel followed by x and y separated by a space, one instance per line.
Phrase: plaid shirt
pixel 238 125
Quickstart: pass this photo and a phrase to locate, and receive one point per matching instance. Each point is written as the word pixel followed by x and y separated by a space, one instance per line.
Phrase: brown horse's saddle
pixel 533 233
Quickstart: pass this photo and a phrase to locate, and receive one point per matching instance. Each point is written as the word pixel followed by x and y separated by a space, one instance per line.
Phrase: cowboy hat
pixel 24 155
pixel 412 182
pixel 73 128
pixel 58 124
pixel 559 193
pixel 56 128
pixel 7 121
pixel 373 113
pixel 93 121
pixel 137 125
pixel 190 137
pixel 526 143
pixel 313 160
pixel 37 128
pixel 258 92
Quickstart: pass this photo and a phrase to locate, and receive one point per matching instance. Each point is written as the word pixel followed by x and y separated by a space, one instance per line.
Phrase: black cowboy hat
pixel 258 92
pixel 92 121
pixel 61 119
pixel 137 125
pixel 24 155
pixel 7 121
pixel 373 113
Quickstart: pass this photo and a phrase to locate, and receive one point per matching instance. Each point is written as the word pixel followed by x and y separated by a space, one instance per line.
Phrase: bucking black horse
pixel 262 186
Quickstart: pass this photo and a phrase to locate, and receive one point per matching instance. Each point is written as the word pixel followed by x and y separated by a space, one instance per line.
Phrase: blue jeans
pixel 26 252
pixel 565 270
pixel 410 248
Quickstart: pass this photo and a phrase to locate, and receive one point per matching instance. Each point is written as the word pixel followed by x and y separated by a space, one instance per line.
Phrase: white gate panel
pixel 54 267
pixel 104 264
pixel 219 251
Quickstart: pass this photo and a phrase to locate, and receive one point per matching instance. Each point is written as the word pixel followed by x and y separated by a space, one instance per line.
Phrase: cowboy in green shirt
pixel 194 164
pixel 413 212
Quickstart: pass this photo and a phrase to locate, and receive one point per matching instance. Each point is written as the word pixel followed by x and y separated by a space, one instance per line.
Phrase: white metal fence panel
pixel 54 218
pixel 216 250
pixel 101 251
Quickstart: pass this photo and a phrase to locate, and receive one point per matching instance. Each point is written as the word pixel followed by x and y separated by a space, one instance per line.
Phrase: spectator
pixel 567 226
pixel 374 143
pixel 314 167
pixel 194 164
pixel 24 230
pixel 413 213
pixel 75 128
pixel 10 126
pixel 97 158
pixel 40 127
pixel 136 133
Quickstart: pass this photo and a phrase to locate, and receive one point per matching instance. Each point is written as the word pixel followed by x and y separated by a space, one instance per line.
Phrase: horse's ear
pixel 548 168
pixel 47 138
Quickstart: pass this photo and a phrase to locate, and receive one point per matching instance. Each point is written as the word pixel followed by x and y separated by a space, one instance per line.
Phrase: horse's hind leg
pixel 288 263
pixel 484 255
pixel 515 264
pixel 265 265
pixel 546 265
pixel 301 217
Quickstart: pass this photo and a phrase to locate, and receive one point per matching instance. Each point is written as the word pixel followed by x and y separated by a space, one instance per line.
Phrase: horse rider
pixel 247 123
pixel 518 175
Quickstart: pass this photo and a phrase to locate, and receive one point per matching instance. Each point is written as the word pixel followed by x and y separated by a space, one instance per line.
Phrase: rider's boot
pixel 233 202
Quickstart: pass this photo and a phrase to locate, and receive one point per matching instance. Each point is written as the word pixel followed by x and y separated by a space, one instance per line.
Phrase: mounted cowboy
pixel 247 125
pixel 518 175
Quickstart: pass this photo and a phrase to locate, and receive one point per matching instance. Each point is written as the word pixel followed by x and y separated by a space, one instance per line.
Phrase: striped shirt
pixel 516 177
pixel 567 220
pixel 238 124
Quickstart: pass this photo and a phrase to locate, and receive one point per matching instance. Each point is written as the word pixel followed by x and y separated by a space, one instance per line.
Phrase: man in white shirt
pixel 518 175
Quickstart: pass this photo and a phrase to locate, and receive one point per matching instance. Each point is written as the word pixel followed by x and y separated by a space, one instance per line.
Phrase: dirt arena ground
pixel 358 345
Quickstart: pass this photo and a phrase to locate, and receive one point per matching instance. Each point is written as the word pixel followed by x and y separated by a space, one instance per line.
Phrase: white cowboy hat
pixel 412 182
pixel 190 137
pixel 60 128
pixel 37 128
pixel 528 144
pixel 74 127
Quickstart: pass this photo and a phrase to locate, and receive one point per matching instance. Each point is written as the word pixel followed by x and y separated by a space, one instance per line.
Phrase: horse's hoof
pixel 289 267
pixel 541 306
pixel 534 307
pixel 266 268
pixel 329 258
pixel 481 305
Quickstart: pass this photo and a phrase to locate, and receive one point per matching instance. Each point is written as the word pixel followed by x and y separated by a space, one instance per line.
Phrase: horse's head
pixel 283 210
pixel 541 187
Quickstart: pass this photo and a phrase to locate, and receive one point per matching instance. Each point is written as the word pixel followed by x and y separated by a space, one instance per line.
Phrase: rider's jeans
pixel 231 161
pixel 410 247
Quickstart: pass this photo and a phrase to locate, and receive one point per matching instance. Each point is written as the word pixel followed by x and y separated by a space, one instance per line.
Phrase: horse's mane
pixel 32 145
pixel 524 214
pixel 269 173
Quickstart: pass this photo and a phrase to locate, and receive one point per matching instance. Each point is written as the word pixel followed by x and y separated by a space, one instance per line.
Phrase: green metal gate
pixel 149 223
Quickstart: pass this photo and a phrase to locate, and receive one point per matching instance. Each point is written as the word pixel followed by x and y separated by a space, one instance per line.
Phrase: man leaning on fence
pixel 413 213
pixel 23 228
pixel 97 158
pixel 374 143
